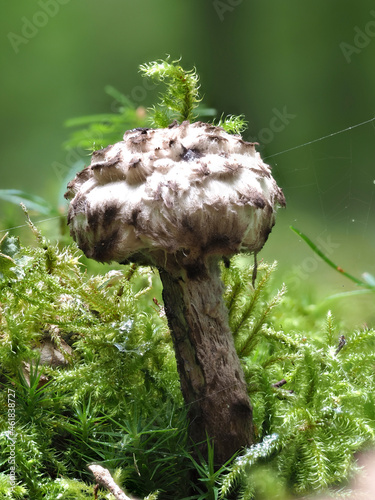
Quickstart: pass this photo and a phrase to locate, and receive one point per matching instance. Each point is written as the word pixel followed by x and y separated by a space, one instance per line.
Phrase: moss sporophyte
pixel 180 199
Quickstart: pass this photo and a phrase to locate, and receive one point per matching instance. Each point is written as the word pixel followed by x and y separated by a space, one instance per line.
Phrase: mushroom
pixel 180 199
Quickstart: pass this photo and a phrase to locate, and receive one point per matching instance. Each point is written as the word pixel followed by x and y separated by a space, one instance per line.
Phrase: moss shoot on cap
pixel 189 187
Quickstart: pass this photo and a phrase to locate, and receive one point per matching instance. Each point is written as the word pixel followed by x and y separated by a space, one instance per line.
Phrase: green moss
pixel 116 400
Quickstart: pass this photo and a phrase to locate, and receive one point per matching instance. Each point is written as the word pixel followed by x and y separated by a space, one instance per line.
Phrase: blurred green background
pixel 299 71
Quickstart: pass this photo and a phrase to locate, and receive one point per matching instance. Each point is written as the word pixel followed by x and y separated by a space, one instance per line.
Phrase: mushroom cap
pixel 191 187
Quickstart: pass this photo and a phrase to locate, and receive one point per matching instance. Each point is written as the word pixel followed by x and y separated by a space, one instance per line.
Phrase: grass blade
pixel 32 201
pixel 329 261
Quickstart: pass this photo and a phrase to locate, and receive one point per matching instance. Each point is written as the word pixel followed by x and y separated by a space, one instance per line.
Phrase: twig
pixel 342 342
pixel 104 478
pixel 280 383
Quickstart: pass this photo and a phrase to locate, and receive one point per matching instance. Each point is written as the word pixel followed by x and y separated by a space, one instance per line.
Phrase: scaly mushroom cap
pixel 191 187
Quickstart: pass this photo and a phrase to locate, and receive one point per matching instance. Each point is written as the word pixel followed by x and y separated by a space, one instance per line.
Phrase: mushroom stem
pixel 212 380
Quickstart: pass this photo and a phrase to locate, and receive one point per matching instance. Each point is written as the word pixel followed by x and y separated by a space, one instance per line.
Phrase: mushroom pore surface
pixel 192 188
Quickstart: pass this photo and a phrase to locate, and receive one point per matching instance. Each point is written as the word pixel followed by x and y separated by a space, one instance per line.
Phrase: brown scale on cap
pixel 189 175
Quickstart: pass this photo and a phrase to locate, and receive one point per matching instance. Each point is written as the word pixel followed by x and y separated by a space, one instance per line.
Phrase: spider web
pixel 333 177
pixel 329 185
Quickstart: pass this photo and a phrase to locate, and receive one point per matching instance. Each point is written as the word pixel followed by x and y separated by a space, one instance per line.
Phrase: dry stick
pixel 104 478
pixel 280 383
pixel 342 342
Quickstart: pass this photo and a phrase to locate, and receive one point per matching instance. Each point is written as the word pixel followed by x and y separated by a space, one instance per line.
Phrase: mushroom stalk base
pixel 212 380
